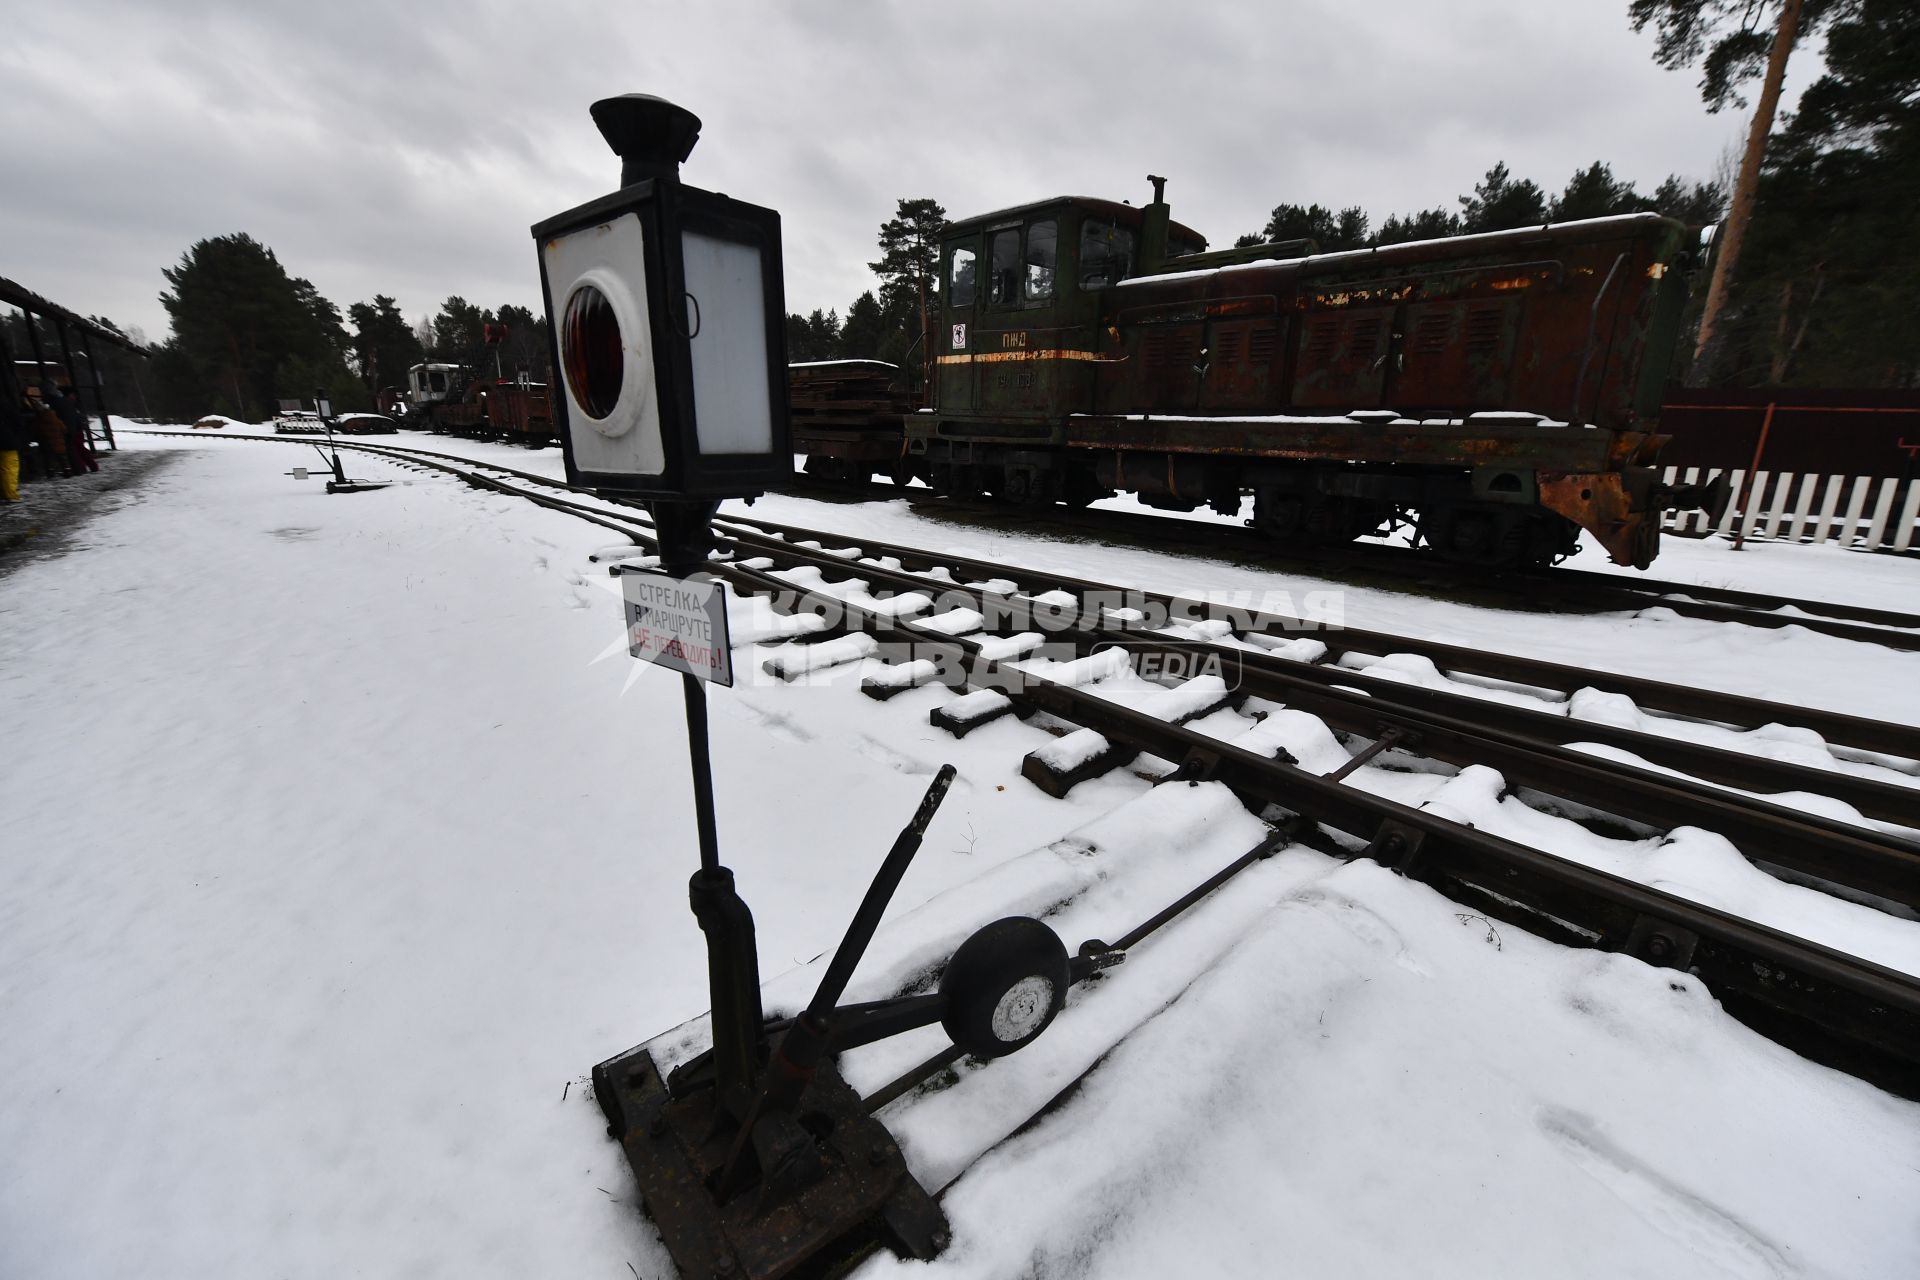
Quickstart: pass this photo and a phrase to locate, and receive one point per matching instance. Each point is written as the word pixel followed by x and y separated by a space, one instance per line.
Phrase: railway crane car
pixel 1497 392
pixel 460 399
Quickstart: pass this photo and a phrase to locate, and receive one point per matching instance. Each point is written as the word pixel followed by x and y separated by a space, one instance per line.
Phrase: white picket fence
pixel 1855 511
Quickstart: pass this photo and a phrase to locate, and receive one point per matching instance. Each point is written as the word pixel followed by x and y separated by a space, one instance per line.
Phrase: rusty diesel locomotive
pixel 1497 393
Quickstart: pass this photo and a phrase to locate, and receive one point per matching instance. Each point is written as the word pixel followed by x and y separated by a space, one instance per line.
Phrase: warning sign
pixel 680 623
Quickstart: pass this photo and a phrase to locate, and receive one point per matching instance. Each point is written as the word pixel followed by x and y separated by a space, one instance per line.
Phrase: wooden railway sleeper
pixel 1813 845
pixel 1654 695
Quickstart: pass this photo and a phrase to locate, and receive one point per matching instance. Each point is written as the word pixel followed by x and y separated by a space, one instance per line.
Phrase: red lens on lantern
pixel 592 351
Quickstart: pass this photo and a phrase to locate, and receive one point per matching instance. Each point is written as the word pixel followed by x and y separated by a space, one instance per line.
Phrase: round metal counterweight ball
pixel 1004 986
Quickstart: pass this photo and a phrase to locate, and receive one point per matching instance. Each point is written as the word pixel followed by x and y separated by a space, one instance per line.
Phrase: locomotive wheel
pixel 1516 539
pixel 1004 986
pixel 1080 489
pixel 1278 515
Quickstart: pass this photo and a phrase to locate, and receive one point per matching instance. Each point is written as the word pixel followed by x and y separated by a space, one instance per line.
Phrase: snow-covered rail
pixel 1555 589
pixel 1271 740
pixel 1823 1002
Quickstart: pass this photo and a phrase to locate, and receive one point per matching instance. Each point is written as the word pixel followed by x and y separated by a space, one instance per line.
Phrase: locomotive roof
pixel 1126 215
pixel 1487 241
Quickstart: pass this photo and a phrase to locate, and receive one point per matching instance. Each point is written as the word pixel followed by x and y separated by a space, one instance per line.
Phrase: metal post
pixel 702 765
pixel 66 353
pixel 40 360
pixel 1753 469
pixel 100 388
pixel 733 961
pixel 326 420
pixel 39 356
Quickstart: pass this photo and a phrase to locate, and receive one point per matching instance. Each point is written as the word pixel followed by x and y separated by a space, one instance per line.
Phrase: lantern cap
pixel 650 135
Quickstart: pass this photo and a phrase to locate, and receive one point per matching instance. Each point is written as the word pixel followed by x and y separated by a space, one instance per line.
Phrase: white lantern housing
pixel 668 323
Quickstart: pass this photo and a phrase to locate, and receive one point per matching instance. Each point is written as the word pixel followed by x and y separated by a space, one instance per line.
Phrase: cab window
pixel 437 380
pixel 1003 288
pixel 1106 254
pixel 960 277
pixel 1043 255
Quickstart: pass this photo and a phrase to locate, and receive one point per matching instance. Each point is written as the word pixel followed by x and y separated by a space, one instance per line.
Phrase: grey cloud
pixel 405 148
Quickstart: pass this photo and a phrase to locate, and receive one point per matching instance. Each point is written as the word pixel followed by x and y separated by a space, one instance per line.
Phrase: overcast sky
pixel 405 148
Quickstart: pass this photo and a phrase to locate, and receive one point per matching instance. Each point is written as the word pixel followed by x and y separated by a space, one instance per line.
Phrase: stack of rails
pixel 847 417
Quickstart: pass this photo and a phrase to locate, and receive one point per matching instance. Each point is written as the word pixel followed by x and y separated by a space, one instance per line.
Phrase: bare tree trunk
pixel 1741 207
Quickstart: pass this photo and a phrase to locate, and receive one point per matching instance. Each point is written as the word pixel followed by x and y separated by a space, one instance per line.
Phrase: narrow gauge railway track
pixel 1683 701
pixel 1559 588
pixel 1833 1007
pixel 1545 590
pixel 1888 802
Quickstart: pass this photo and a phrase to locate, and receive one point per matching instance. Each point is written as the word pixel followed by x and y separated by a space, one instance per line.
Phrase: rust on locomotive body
pixel 1085 347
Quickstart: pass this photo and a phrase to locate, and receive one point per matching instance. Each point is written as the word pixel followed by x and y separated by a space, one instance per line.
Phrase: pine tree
pixel 1734 41
pixel 813 337
pixel 384 345
pixel 1429 224
pixel 1498 203
pixel 909 263
pixel 1331 232
pixel 864 332
pixel 1593 192
pixel 250 333
pixel 1694 203
pixel 1831 268
pixel 457 329
pixel 909 269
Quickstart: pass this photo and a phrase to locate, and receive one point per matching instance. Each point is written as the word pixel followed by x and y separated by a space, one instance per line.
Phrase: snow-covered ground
pixel 345 839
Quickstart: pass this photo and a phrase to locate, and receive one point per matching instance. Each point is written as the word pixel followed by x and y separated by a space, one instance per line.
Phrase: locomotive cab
pixel 431 383
pixel 1020 338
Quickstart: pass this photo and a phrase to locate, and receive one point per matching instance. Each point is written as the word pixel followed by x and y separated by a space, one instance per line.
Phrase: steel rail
pixel 1896 629
pixel 1853 622
pixel 1680 700
pixel 1869 862
pixel 1886 801
pixel 1834 1008
pixel 1754 608
pixel 1889 802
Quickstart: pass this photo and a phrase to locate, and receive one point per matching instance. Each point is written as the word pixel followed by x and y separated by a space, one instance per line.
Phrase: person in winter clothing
pixel 13 440
pixel 51 432
pixel 79 451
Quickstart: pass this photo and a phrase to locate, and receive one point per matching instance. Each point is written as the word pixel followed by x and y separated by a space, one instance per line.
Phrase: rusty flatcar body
pixel 447 397
pixel 1499 391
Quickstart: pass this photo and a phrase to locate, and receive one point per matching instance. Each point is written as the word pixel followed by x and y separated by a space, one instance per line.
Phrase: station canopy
pixel 27 300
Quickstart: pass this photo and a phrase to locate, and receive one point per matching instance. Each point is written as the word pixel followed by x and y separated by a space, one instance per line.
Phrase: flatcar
pixel 1495 393
pixel 848 417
